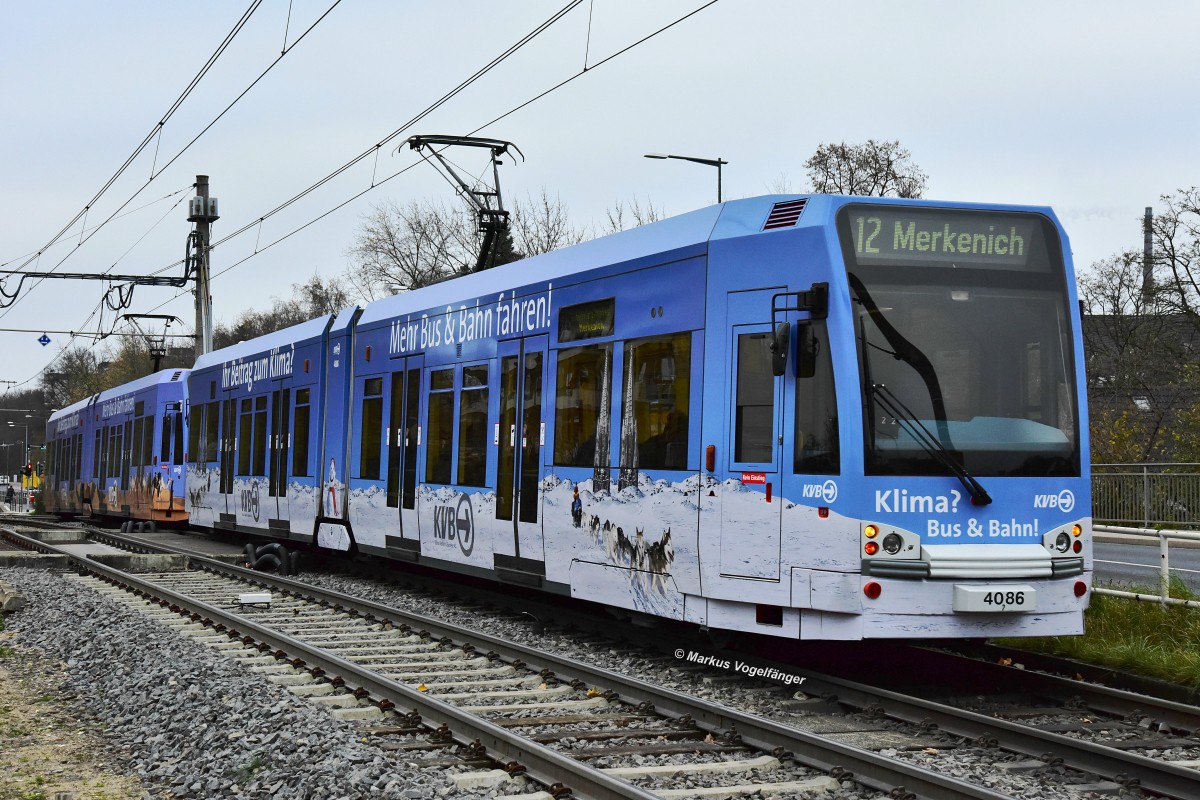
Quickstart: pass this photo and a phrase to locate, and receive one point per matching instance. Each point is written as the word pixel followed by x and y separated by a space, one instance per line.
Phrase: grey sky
pixel 1085 106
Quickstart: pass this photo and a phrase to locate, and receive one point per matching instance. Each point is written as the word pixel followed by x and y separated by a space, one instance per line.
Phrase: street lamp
pixel 712 162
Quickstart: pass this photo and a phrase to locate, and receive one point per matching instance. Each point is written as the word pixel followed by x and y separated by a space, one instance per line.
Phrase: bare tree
pixel 1176 239
pixel 781 185
pixel 319 296
pixel 542 224
pixel 399 248
pixel 83 370
pixel 1135 346
pixel 877 169
pixel 313 298
pixel 638 215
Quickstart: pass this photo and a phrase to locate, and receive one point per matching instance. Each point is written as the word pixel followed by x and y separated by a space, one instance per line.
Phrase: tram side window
pixel 245 420
pixel 195 415
pixel 440 427
pixel 147 454
pixel 115 451
pixel 582 406
pixel 300 434
pixel 143 440
pixel 78 458
pixel 126 451
pixel 164 452
pixel 817 450
pixel 755 397
pixel 372 429
pixel 212 413
pixel 655 392
pixel 138 430
pixel 472 426
pixel 260 435
pixel 97 449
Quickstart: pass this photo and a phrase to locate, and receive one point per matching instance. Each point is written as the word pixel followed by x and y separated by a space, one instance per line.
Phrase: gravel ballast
pixel 732 689
pixel 192 724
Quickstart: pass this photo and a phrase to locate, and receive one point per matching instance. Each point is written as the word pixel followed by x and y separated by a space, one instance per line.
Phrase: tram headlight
pixel 892 543
pixel 1062 543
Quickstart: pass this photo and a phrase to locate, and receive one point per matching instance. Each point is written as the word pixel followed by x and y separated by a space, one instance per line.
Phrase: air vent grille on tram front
pixel 175 377
pixel 785 215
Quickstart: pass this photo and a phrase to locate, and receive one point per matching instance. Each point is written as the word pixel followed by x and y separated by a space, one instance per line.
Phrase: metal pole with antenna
pixel 202 211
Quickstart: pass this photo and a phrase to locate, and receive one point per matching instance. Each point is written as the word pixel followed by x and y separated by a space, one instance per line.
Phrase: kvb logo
pixel 451 522
pixel 1064 501
pixel 249 497
pixel 827 491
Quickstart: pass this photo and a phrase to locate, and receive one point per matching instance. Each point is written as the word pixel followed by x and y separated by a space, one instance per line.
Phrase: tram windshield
pixel 964 341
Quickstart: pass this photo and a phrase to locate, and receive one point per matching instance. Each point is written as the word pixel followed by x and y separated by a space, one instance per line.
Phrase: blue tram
pixel 119 454
pixel 813 417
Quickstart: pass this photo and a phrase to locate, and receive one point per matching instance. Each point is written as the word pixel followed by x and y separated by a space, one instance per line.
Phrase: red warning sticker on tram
pixel 754 477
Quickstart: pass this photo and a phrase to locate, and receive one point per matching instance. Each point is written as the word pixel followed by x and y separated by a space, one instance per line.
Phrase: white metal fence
pixel 1164 539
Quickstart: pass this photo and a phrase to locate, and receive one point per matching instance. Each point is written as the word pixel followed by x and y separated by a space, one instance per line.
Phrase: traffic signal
pixel 41 470
pixel 28 470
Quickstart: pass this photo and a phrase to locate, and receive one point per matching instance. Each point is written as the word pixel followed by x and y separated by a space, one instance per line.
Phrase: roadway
pixel 1121 559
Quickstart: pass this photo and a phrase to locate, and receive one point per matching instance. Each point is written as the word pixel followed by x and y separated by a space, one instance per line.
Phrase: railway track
pixel 625 721
pixel 564 723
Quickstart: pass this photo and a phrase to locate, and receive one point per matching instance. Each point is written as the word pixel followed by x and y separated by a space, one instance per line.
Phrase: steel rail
pixel 836 758
pixel 1123 767
pixel 866 767
pixel 1137 686
pixel 1108 699
pixel 542 763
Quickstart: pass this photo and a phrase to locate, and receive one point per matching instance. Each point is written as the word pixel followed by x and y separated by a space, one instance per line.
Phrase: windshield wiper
pixel 928 442
pixel 905 351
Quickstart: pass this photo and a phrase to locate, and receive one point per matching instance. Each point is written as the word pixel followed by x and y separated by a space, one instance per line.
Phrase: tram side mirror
pixel 807 348
pixel 779 348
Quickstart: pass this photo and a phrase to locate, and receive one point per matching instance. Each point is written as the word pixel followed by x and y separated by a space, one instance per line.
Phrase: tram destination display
pixel 887 235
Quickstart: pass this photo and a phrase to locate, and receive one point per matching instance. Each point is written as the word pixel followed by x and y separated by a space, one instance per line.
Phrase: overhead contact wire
pixel 212 59
pixel 375 148
pixel 195 81
pixel 375 184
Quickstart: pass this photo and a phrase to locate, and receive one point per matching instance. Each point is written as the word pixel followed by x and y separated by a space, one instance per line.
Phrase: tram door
pixel 403 440
pixel 751 509
pixel 520 435
pixel 278 464
pixel 228 411
pixel 126 461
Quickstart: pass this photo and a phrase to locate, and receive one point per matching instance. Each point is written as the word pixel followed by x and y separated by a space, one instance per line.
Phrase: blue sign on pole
pixel 44 340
